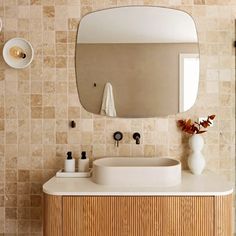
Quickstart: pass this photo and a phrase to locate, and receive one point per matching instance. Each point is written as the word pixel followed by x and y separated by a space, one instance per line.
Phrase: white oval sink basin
pixel 137 171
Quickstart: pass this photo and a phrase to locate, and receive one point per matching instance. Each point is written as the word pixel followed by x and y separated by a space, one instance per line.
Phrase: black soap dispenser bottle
pixel 83 163
pixel 69 163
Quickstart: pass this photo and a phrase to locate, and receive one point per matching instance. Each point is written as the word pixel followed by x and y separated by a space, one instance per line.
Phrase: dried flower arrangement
pixel 190 127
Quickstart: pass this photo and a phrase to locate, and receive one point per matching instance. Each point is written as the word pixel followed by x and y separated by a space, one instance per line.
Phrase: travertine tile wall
pixel 37 103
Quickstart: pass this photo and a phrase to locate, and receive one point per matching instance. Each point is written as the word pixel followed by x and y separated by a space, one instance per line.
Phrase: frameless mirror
pixel 137 61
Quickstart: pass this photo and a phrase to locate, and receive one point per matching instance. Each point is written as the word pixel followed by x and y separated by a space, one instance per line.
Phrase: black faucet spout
pixel 136 137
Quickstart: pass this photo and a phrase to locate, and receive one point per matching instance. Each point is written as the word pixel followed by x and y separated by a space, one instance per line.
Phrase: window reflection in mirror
pixel 137 62
pixel 188 80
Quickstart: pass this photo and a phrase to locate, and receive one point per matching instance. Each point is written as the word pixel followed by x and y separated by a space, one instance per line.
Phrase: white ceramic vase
pixel 196 161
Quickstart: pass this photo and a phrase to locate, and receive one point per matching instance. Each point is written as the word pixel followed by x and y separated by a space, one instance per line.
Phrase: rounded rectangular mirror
pixel 137 62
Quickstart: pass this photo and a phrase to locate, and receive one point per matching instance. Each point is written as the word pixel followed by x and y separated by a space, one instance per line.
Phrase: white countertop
pixel 207 184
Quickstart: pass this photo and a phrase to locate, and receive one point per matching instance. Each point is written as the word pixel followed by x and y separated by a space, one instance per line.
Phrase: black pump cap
pixel 69 155
pixel 83 155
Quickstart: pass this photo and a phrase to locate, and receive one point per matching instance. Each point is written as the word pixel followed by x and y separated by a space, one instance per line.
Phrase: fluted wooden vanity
pixel 199 206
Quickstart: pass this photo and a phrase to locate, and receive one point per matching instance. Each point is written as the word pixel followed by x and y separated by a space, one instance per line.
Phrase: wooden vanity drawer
pixel 138 215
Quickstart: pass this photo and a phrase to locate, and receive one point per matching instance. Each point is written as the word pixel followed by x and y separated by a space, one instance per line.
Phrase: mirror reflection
pixel 137 62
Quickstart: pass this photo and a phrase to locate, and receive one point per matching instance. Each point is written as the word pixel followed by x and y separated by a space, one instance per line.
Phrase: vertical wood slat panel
pixel 171 216
pixel 223 215
pixel 138 216
pixel 199 214
pixel 73 216
pixel 188 216
pixel 52 215
pixel 106 216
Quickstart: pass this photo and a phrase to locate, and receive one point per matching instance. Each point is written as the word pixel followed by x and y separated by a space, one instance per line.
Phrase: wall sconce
pixel 18 53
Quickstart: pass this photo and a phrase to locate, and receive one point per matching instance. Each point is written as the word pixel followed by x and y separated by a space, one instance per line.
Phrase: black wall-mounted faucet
pixel 136 137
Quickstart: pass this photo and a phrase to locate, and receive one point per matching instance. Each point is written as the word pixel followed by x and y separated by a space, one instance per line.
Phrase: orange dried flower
pixel 190 127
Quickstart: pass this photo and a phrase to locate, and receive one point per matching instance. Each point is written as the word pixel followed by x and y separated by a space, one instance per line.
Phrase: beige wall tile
pixel 36 112
pixel 23 175
pixel 36 100
pixel 49 112
pixel 61 137
pixel 11 226
pixel 23 227
pixel 48 11
pixel 11 188
pixel 10 213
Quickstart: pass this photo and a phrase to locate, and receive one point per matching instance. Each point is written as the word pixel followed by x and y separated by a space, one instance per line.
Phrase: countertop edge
pixel 225 193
